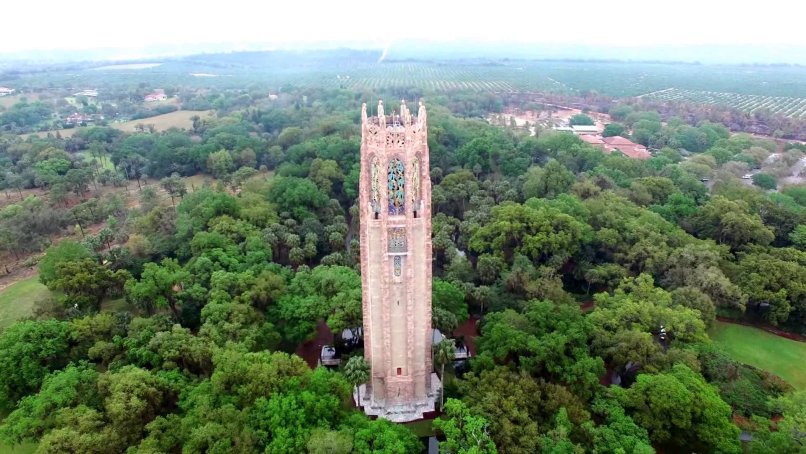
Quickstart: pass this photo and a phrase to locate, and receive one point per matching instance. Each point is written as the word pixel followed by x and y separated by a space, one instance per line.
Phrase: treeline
pixel 220 288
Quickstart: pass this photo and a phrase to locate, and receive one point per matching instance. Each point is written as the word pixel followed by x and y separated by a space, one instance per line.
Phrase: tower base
pixel 405 412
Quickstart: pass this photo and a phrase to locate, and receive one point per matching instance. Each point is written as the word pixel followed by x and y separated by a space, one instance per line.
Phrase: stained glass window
pixel 397 239
pixel 398 261
pixel 396 182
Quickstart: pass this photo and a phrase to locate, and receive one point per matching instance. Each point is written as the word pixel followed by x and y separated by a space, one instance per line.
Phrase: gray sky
pixel 90 24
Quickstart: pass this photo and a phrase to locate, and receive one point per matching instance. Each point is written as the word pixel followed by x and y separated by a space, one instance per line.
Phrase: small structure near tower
pixel 395 235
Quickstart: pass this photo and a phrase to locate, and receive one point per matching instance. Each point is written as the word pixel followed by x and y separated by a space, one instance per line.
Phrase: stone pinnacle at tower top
pixel 395 236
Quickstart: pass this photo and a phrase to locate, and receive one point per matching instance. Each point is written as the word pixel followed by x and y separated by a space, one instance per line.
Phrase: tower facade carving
pixel 395 239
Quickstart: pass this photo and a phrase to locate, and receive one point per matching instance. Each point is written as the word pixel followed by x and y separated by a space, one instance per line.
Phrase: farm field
pixel 781 356
pixel 178 119
pixel 362 70
pixel 17 300
pixel 786 106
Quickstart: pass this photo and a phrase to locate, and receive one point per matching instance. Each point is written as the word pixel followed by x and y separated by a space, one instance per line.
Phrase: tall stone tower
pixel 395 215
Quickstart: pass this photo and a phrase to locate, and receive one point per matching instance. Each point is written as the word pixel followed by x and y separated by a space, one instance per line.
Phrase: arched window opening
pixel 415 185
pixel 375 187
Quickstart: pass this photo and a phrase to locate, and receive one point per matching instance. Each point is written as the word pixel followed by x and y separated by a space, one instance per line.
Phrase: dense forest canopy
pixel 217 281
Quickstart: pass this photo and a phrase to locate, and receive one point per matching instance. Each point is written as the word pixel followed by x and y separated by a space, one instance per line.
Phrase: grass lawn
pixel 25 448
pixel 17 300
pixel 781 356
pixel 177 119
pixel 105 162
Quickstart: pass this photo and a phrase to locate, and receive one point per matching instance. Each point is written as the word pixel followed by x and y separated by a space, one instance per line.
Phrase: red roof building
pixel 626 146
pixel 156 95
pixel 593 140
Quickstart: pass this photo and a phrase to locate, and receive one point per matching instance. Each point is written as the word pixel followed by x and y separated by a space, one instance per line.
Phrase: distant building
pixel 78 119
pixel 88 93
pixel 5 91
pixel 273 97
pixel 156 95
pixel 585 129
pixel 626 146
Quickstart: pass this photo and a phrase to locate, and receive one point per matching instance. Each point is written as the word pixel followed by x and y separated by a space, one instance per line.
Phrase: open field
pixel 8 101
pixel 180 119
pixel 781 356
pixel 786 106
pixel 17 300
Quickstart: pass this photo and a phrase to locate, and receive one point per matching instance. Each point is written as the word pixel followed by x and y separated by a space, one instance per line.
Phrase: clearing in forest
pixel 781 356
pixel 17 300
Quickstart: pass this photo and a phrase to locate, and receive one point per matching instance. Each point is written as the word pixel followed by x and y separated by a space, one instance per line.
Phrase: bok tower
pixel 395 235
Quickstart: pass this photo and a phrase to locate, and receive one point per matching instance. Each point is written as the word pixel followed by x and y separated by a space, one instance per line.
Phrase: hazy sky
pixel 41 25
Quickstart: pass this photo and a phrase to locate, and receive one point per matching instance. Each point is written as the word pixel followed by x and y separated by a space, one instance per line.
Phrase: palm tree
pixel 357 372
pixel 444 352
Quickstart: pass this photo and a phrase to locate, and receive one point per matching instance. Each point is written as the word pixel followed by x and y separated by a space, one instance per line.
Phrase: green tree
pixel 28 352
pixel 581 119
pixel 465 433
pixel 617 432
pixel 85 283
pixel 444 353
pixel 325 441
pixel 626 322
pixel 356 370
pixel 174 186
pixel 548 339
pixel 246 377
pixel 133 397
pixel 730 222
pixel 765 181
pixel 516 405
pixel 797 237
pixel 382 436
pixel 298 196
pixel 447 296
pixel 220 163
pixel 613 129
pixel 680 408
pixel 325 173
pixel 775 282
pixel 160 285
pixel 35 414
pixel 64 251
pixel 788 435
pixel 329 292
pixel 549 181
pixel 537 231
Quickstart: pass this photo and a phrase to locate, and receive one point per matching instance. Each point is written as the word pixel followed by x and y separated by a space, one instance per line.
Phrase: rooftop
pixel 626 146
pixel 592 139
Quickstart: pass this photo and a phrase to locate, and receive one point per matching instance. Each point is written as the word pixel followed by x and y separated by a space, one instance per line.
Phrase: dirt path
pixel 17 275
pixel 309 351
pixel 467 332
